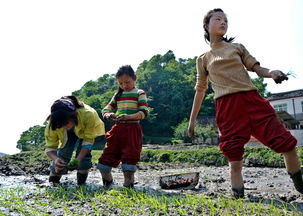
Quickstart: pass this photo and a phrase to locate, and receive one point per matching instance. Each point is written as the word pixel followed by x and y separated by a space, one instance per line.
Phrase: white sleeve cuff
pixel 86 143
pixel 50 149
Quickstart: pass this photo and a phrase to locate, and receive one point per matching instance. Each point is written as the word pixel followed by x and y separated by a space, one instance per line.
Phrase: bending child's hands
pixel 73 164
pixel 59 164
pixel 278 76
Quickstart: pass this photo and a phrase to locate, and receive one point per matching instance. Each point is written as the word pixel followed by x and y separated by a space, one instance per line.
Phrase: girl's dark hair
pixel 206 22
pixel 63 110
pixel 124 70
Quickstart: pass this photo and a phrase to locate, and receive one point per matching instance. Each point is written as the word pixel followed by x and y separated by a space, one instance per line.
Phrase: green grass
pixel 96 201
pixel 32 162
pixel 75 200
pixel 253 156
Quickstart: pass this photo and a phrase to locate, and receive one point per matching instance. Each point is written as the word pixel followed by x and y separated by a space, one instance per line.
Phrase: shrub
pixel 201 131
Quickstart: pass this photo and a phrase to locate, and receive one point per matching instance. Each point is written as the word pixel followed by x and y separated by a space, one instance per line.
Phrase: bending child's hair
pixel 63 111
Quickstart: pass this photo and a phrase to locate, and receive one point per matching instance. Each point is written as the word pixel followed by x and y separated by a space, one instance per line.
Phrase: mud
pixel 261 184
pixel 266 185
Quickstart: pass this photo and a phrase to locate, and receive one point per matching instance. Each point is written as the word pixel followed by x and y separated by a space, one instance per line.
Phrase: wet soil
pixel 265 184
pixel 261 184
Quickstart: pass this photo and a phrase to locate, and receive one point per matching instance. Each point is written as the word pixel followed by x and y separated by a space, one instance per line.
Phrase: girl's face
pixel 69 125
pixel 126 82
pixel 217 26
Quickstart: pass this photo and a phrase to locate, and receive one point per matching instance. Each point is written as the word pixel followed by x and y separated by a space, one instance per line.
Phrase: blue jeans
pixel 66 153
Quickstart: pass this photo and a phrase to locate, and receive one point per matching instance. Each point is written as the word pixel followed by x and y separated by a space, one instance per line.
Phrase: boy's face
pixel 126 82
pixel 217 24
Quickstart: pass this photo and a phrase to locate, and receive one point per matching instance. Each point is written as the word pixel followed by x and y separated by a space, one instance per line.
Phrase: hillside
pixel 2 154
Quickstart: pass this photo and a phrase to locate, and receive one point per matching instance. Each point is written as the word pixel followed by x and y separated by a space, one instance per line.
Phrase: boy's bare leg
pixel 291 161
pixel 107 176
pixel 107 179
pixel 129 179
pixel 237 185
pixel 293 168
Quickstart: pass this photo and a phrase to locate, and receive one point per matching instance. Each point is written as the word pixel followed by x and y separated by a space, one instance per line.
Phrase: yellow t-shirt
pixel 88 128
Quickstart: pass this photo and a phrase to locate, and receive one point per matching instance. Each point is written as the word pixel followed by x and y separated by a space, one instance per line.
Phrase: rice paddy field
pixel 268 188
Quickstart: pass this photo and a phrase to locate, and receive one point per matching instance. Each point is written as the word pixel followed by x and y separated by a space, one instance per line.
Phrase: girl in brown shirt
pixel 240 110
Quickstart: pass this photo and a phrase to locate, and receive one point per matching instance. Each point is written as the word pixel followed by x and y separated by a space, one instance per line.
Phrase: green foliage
pixel 201 131
pixel 205 156
pixel 97 93
pixel 170 86
pixel 157 140
pixel 32 139
pixel 259 83
pixel 253 156
pixel 205 132
pixel 73 162
pixel 262 157
pixel 36 161
pixel 180 132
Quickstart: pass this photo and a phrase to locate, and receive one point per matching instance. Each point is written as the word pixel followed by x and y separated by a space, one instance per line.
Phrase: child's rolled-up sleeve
pixel 202 75
pixel 248 60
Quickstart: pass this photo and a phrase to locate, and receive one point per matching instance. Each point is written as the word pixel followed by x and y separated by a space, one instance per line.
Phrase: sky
pixel 51 48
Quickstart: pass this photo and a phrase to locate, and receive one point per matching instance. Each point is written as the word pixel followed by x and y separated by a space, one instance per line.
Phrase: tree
pixel 169 84
pixel 259 83
pixel 32 139
pixel 203 132
pixel 101 88
pixel 170 87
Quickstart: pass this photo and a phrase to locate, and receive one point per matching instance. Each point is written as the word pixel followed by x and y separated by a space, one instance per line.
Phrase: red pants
pixel 243 114
pixel 123 144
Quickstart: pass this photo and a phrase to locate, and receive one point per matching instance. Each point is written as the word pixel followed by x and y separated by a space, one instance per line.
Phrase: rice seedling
pixel 86 201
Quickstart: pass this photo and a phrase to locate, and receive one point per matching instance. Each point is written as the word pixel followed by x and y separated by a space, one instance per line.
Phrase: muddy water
pixel 267 184
pixel 273 183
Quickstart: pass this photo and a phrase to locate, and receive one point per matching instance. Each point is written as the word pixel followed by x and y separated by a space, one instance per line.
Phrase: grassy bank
pixel 33 162
pixel 96 201
pixel 253 156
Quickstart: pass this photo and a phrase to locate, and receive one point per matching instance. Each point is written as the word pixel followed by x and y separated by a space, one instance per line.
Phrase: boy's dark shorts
pixel 66 153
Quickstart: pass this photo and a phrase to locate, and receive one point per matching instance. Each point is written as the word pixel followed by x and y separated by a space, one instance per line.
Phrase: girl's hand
pixel 278 76
pixel 110 116
pixel 191 130
pixel 122 117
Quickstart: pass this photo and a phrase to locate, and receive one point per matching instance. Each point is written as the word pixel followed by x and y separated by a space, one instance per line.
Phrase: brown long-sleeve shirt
pixel 225 66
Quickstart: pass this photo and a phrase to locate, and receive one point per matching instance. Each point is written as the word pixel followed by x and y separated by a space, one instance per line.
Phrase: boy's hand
pixel 278 76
